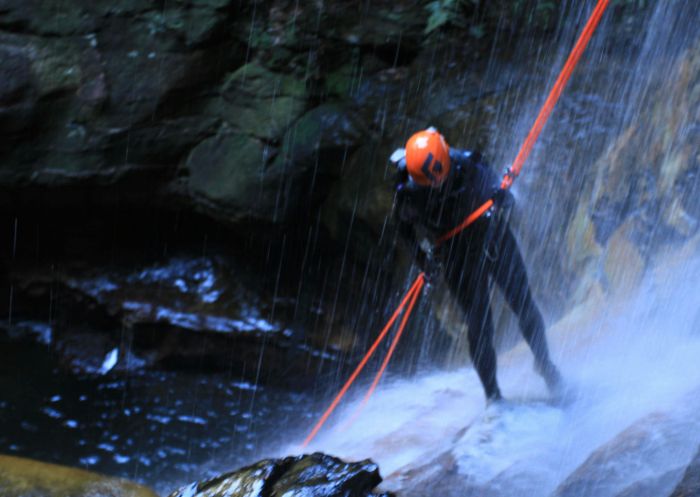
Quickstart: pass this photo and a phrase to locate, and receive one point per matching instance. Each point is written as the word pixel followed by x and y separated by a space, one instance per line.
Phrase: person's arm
pixel 404 221
pixel 405 217
pixel 487 184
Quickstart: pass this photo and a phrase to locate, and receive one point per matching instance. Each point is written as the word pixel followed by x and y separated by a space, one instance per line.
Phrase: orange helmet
pixel 428 157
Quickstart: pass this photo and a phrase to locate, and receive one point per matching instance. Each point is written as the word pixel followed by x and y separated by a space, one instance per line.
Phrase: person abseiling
pixel 436 188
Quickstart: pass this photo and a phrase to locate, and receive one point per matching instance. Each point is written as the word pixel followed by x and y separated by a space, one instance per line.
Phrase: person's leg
pixel 481 342
pixel 511 276
pixel 468 281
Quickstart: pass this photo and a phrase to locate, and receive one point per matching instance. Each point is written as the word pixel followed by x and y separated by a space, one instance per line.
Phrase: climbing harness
pixel 412 295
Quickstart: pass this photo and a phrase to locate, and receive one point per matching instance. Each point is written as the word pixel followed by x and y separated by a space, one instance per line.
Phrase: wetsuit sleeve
pixel 404 216
pixel 478 177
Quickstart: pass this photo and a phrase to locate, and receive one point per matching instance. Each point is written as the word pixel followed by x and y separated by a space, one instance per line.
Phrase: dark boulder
pixel 315 475
pixel 236 176
pixel 179 313
pixel 225 177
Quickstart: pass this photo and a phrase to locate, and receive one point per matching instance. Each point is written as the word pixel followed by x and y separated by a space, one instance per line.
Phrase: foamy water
pixel 635 363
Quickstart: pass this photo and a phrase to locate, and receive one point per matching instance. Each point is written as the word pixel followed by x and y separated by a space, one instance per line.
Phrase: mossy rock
pixel 49 17
pixel 340 82
pixel 226 177
pixel 230 176
pixel 383 24
pixel 323 137
pixel 260 102
pixel 21 477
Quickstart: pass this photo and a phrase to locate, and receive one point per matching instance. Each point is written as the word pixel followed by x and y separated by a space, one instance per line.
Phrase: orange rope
pixel 514 171
pixel 411 294
pixel 394 342
pixel 542 117
pixel 467 221
pixel 385 363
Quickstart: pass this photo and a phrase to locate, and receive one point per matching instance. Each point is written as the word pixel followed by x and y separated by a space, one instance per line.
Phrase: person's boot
pixel 551 376
pixel 494 396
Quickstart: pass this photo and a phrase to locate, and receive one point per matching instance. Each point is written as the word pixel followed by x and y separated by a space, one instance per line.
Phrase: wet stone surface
pixel 181 312
pixel 315 475
pixel 690 484
pixel 190 293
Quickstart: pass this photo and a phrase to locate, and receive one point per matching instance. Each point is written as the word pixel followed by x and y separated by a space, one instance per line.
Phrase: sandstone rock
pixel 384 24
pixel 316 474
pixel 624 265
pixel 646 447
pixel 85 76
pixel 27 478
pixel 145 63
pixel 690 484
pixel 653 486
pixel 439 476
pixel 640 185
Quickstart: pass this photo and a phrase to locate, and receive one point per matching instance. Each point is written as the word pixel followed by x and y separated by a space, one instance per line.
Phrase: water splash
pixel 632 373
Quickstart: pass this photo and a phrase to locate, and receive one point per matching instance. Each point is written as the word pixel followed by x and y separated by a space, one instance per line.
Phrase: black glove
pixel 502 198
pixel 428 263
pixel 432 271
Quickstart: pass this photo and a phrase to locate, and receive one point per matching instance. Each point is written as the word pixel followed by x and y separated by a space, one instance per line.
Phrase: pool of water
pixel 160 428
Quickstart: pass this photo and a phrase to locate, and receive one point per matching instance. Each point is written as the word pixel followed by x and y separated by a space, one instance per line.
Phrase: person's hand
pixel 502 198
pixel 431 267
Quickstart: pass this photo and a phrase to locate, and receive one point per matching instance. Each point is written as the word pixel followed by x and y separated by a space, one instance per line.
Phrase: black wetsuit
pixel 485 249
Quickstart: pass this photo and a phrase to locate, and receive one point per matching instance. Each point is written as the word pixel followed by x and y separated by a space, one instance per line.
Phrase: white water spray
pixel 634 377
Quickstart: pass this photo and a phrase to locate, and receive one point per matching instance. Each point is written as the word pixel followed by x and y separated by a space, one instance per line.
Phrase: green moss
pixel 255 80
pixel 27 478
pixel 340 82
pixel 260 102
pixel 228 171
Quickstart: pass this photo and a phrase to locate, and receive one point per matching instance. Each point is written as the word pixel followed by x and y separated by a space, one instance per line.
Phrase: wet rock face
pixel 179 313
pixel 196 100
pixel 638 445
pixel 317 475
pixel 27 478
pixel 690 484
pixel 641 197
